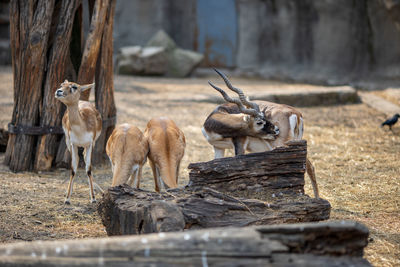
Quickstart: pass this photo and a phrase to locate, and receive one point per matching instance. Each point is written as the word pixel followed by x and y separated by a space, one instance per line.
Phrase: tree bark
pixel 90 56
pixel 104 95
pixel 280 171
pixel 126 211
pixel 47 43
pixel 30 27
pixel 323 244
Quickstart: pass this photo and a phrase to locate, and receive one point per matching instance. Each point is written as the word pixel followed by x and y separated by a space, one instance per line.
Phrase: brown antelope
pixel 221 127
pixel 167 147
pixel 127 149
pixel 82 126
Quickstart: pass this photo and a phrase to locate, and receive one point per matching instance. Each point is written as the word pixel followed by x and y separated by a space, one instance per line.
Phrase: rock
pixel 154 60
pixel 136 60
pixel 182 62
pixel 160 56
pixel 161 38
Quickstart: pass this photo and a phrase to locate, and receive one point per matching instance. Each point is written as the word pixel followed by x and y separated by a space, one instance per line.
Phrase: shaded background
pixel 317 41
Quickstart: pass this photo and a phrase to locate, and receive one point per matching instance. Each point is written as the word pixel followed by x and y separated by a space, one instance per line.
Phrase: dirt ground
pixel 356 161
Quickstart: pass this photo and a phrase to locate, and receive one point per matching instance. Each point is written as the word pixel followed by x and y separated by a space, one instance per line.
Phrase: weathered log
pixel 280 170
pixel 125 210
pixel 30 27
pixel 312 244
pixel 275 178
pixel 90 55
pixel 104 95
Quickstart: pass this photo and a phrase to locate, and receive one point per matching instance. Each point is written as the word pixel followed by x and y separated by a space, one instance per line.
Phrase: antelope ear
pixel 66 81
pixel 86 87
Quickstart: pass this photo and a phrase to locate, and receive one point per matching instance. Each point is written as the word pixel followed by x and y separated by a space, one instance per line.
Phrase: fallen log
pixel 274 180
pixel 125 210
pixel 311 244
pixel 280 171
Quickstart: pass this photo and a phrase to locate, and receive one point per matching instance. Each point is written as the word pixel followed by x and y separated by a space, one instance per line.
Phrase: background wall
pixel 322 41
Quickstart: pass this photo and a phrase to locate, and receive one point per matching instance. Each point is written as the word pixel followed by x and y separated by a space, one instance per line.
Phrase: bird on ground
pixel 390 122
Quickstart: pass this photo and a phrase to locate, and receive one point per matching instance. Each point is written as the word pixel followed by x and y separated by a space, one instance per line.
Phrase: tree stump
pixel 274 180
pixel 338 243
pixel 47 48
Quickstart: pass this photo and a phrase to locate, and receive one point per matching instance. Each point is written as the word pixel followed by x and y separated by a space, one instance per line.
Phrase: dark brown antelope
pixel 82 126
pixel 224 130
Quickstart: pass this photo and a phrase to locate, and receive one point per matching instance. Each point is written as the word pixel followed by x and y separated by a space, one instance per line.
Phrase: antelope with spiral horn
pixel 224 130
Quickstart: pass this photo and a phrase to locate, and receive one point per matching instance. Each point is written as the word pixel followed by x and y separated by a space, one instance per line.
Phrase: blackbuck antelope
pixel 225 128
pixel 167 147
pixel 127 149
pixel 82 126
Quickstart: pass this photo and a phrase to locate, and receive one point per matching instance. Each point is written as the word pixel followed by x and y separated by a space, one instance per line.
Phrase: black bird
pixel 390 122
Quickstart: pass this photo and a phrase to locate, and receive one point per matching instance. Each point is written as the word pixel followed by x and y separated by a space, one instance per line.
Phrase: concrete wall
pixel 136 21
pixel 318 40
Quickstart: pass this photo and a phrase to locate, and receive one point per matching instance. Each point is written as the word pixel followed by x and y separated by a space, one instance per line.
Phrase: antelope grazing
pixel 127 149
pixel 82 126
pixel 167 147
pixel 221 128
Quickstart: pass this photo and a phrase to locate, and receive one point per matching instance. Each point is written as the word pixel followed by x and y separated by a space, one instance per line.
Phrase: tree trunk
pixel 309 244
pixel 30 28
pixel 47 48
pixel 104 80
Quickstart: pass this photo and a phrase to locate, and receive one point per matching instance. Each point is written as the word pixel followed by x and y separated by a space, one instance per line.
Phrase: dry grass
pixel 356 163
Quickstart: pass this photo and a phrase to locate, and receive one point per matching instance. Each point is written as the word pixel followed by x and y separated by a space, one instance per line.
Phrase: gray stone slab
pixel 300 98
pixel 379 103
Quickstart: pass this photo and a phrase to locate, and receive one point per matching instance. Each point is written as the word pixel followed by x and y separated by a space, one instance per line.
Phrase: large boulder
pixel 160 56
pixel 161 38
pixel 182 62
pixel 135 60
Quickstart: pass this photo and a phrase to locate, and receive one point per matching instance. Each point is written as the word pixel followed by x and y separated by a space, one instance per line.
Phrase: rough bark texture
pixel 318 244
pixel 274 178
pixel 29 28
pixel 125 210
pixel 47 48
pixel 281 170
pixel 104 80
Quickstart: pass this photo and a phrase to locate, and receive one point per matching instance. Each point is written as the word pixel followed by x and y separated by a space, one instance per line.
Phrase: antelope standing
pixel 82 126
pixel 167 147
pixel 127 149
pixel 221 127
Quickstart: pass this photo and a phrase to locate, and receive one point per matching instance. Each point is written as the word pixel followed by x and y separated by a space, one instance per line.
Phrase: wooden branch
pixel 104 93
pixel 321 244
pixel 29 57
pixel 92 46
pixel 125 210
pixel 278 171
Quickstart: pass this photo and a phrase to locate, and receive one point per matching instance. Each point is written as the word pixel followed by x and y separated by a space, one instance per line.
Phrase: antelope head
pixel 70 92
pixel 259 126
